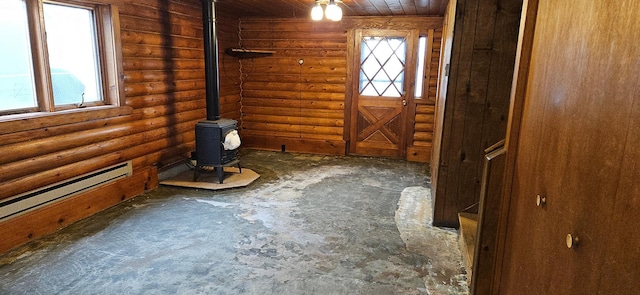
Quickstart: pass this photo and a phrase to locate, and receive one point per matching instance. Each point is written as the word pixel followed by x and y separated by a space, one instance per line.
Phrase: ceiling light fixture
pixel 332 12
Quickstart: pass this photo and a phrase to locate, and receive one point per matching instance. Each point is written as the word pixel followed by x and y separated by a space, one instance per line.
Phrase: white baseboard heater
pixel 34 199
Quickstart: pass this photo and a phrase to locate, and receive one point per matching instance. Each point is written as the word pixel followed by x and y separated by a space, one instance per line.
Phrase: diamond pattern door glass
pixel 382 64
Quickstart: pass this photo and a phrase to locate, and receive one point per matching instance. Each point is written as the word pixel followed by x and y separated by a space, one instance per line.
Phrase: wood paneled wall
pixel 301 107
pixel 163 64
pixel 474 112
pixel 574 133
pixel 288 105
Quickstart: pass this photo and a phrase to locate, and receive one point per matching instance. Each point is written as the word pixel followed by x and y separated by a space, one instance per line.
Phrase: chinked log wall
pixel 163 66
pixel 420 149
pixel 301 107
pixel 292 106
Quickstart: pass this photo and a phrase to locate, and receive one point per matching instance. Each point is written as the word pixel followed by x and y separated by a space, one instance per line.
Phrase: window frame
pixel 424 97
pixel 106 17
pixel 424 78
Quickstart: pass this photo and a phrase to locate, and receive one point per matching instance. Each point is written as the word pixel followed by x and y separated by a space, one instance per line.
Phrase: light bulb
pixel 316 12
pixel 337 14
pixel 333 12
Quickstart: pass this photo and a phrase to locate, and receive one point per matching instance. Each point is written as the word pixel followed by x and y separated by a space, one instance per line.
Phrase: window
pixel 382 66
pixel 420 67
pixel 57 56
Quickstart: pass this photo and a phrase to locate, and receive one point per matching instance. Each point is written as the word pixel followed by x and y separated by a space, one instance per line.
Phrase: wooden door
pixel 443 84
pixel 385 63
pixel 576 159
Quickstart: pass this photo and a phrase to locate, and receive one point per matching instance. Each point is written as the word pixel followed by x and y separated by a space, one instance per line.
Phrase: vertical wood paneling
pixel 474 113
pixel 579 104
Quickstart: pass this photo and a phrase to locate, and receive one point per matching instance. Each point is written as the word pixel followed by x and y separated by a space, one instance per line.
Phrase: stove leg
pixel 220 173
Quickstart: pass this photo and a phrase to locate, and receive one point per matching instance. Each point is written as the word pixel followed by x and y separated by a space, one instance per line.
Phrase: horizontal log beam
pixel 315 146
pixel 424 127
pixel 295 95
pixel 288 103
pixel 166 76
pixel 39 147
pixel 17 169
pixel 159 64
pixel 254 118
pixel 323 130
pixel 43 178
pixel 156 39
pixel 149 88
pixel 165 98
pixel 423 136
pixel 308 78
pixel 292 134
pixel 145 51
pixel 297 86
pixel 303 113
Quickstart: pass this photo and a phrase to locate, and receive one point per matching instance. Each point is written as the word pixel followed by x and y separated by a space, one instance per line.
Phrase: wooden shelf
pixel 247 53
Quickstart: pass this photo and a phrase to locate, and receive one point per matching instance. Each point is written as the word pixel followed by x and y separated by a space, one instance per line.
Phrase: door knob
pixel 541 200
pixel 572 241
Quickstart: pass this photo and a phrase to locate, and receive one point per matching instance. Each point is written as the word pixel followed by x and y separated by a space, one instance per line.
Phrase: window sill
pixel 38 120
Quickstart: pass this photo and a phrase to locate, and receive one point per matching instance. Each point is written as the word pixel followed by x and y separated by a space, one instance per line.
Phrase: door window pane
pixel 382 64
pixel 73 54
pixel 420 75
pixel 16 70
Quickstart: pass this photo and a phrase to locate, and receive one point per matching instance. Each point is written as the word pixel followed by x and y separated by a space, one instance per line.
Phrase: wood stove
pixel 212 133
pixel 210 149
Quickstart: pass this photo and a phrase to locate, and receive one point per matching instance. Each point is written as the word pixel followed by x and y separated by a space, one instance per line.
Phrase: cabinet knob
pixel 572 241
pixel 541 200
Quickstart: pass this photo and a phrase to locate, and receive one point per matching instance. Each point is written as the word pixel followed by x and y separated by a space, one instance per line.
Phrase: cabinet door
pixel 621 269
pixel 578 150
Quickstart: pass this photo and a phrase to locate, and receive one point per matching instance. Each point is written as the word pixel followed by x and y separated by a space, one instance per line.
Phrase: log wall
pixel 284 105
pixel 301 107
pixel 291 106
pixel 420 148
pixel 163 64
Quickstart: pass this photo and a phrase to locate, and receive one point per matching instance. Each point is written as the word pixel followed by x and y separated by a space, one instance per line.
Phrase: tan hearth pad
pixel 209 180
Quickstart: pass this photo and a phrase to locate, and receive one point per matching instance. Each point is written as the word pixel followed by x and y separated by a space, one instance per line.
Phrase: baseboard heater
pixel 58 191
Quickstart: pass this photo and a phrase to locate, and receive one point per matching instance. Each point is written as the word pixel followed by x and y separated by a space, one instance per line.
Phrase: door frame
pixel 524 53
pixel 354 37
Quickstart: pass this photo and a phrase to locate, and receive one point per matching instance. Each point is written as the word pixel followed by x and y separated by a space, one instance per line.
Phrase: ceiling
pixel 302 8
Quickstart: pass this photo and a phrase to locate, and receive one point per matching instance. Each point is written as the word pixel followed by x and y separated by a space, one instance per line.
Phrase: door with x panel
pixel 385 66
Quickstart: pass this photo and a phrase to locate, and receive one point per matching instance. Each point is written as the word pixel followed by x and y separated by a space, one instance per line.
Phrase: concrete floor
pixel 309 225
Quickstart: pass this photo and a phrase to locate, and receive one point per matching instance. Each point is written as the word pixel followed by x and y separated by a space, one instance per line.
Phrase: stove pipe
pixel 211 59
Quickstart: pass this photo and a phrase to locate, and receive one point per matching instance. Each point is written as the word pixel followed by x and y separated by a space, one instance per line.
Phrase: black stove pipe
pixel 211 59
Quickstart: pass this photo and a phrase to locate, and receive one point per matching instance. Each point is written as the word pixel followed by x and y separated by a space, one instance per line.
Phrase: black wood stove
pixel 211 150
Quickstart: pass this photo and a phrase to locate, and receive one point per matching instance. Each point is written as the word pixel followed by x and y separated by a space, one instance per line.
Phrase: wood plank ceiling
pixel 302 8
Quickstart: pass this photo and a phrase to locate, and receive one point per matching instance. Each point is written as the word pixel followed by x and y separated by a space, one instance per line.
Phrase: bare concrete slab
pixel 309 225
